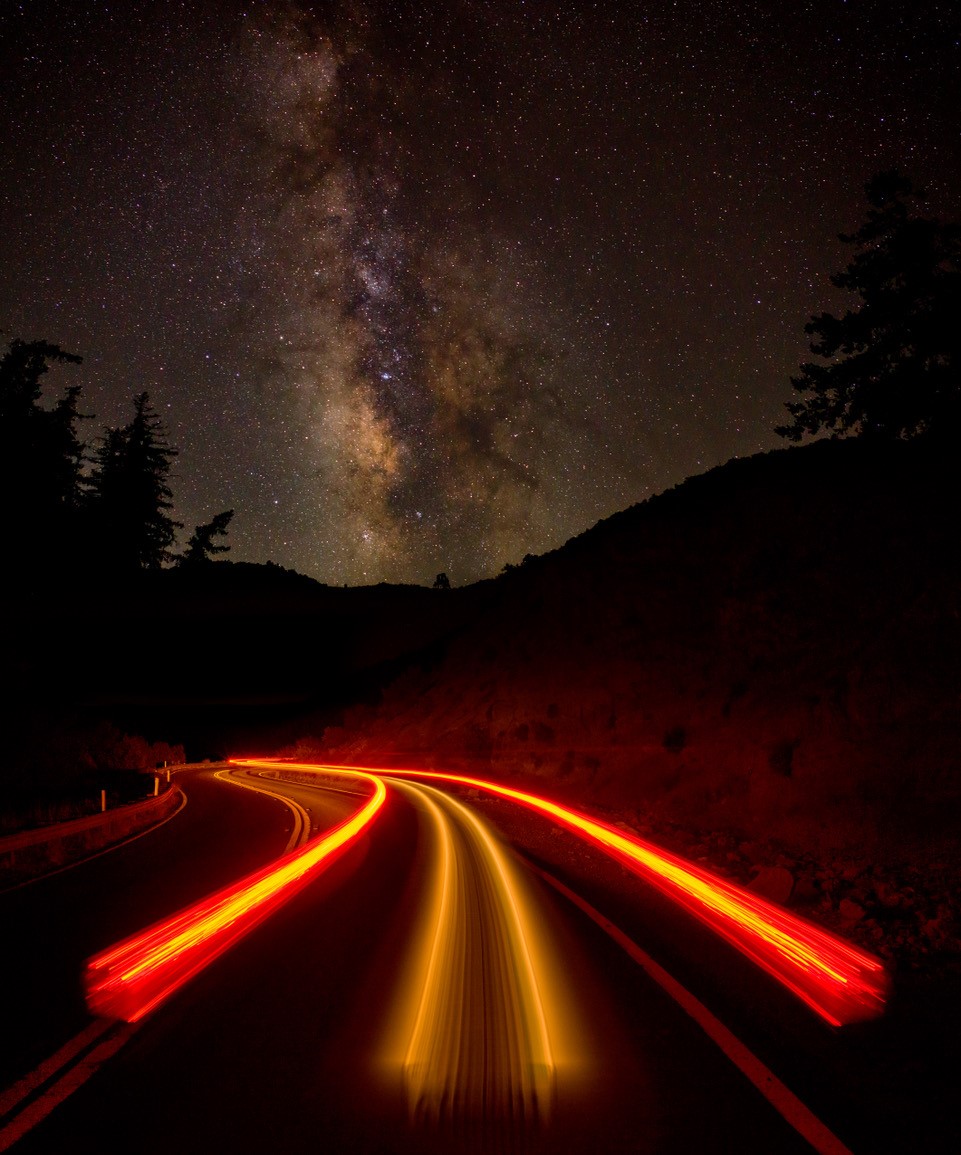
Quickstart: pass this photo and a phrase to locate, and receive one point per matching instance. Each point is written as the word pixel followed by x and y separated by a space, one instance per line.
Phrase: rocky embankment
pixel 906 912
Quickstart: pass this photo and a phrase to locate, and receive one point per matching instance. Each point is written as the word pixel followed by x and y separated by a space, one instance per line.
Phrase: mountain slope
pixel 773 647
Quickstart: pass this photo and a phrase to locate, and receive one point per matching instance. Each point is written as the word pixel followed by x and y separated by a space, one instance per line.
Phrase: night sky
pixel 422 287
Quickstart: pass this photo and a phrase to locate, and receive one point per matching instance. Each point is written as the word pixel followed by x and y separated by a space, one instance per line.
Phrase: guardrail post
pixel 103 800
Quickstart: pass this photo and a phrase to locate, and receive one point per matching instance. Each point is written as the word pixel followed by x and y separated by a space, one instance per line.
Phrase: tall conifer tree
pixel 132 497
pixel 893 362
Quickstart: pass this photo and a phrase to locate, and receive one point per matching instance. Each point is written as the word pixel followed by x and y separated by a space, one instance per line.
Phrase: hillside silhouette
pixel 214 657
pixel 771 647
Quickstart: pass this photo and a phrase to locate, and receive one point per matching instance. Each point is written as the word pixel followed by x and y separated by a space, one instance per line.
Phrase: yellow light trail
pixel 471 1023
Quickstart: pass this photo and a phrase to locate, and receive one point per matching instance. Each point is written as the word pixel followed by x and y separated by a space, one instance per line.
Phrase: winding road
pixel 413 984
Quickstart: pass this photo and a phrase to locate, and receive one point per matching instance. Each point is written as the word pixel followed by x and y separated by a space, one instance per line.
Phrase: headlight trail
pixel 471 1023
pixel 131 978
pixel 839 981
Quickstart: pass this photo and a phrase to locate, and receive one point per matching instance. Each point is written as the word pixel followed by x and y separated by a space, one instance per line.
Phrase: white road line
pixel 73 1077
pixel 784 1101
pixel 73 1074
pixel 301 831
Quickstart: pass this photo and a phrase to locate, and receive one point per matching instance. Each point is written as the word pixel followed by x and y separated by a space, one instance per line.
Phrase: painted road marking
pixel 301 831
pixel 65 1071
pixel 781 1097
pixel 14 1095
pixel 69 1068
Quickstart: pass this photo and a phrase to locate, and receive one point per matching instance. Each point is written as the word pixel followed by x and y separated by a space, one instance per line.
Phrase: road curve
pixel 310 1033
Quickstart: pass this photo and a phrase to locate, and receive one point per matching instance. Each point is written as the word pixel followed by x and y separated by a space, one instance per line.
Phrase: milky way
pixel 429 287
pixel 421 352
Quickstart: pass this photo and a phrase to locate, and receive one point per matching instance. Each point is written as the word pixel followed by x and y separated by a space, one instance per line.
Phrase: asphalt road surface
pixel 429 991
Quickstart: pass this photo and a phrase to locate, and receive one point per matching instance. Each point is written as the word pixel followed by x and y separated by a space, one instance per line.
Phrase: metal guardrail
pixel 48 847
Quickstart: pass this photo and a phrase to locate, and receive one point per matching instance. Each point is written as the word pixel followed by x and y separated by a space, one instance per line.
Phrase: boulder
pixel 774 883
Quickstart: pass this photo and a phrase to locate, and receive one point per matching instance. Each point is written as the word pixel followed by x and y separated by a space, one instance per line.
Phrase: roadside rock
pixel 774 883
pixel 806 890
pixel 850 911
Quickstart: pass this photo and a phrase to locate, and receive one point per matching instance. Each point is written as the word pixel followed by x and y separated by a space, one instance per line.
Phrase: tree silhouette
pixel 441 582
pixel 893 364
pixel 55 516
pixel 131 494
pixel 42 457
pixel 201 547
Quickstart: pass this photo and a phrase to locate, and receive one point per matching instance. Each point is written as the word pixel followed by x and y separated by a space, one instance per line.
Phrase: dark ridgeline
pixel 102 621
pixel 771 648
pixel 893 363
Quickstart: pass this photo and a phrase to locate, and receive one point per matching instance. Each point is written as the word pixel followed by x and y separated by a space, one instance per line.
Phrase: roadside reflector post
pixel 103 800
pixel 168 776
pixel 156 785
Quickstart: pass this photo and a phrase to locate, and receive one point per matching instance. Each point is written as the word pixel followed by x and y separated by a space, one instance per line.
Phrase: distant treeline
pixel 103 509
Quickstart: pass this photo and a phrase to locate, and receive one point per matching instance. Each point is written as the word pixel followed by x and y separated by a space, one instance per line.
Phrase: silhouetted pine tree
pixel 201 546
pixel 131 497
pixel 893 363
pixel 42 458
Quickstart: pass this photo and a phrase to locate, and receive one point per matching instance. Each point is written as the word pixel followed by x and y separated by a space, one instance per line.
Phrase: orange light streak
pixel 835 978
pixel 472 1024
pixel 131 978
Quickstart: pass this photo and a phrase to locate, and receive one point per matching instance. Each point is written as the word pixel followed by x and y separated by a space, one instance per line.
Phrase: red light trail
pixel 836 979
pixel 131 978
pixel 842 983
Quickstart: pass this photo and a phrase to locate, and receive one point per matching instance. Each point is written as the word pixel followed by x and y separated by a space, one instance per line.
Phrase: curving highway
pixel 361 963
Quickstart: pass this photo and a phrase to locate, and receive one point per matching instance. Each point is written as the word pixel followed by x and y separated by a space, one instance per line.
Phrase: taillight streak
pixel 838 980
pixel 130 979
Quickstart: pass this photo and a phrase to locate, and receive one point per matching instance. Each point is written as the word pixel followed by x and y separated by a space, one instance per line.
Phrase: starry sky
pixel 423 287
